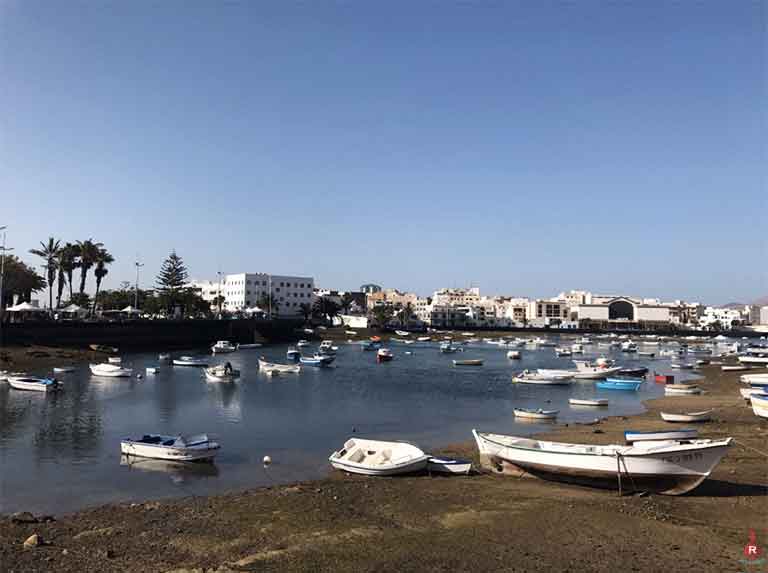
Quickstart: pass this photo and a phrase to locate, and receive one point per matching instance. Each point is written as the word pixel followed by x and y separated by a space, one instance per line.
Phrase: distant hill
pixel 762 301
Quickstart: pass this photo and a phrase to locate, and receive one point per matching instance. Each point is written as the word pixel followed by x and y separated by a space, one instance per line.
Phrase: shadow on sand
pixel 720 488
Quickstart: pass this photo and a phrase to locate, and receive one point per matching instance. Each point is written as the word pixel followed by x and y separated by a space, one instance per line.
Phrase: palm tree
pixel 67 261
pixel 103 258
pixel 49 252
pixel 346 302
pixel 87 252
pixel 382 314
pixel 268 304
pixel 406 314
pixel 306 310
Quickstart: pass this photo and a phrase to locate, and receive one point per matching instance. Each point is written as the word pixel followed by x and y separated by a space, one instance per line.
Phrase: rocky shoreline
pixel 421 523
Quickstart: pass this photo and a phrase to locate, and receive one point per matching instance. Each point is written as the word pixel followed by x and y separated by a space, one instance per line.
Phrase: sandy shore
pixel 477 523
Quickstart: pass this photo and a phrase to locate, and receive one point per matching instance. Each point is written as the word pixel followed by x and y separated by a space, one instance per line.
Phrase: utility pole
pixel 218 293
pixel 3 250
pixel 136 293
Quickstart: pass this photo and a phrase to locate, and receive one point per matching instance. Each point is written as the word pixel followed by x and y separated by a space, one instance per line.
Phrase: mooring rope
pixel 743 445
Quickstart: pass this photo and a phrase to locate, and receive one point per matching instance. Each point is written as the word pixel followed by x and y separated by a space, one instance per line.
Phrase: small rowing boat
pixel 281 368
pixel 110 370
pixel 703 416
pixel 378 458
pixel 178 448
pixel 619 384
pixel 448 465
pixel 536 414
pixel 469 362
pixel 585 402
pixel 681 389
pixel 33 383
pixel 221 374
pixel 190 361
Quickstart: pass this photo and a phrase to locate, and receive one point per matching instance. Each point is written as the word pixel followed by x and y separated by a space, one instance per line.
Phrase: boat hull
pixel 449 466
pixel 158 452
pixel 32 385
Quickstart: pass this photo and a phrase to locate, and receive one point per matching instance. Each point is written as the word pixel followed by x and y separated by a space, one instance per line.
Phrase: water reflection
pixel 177 472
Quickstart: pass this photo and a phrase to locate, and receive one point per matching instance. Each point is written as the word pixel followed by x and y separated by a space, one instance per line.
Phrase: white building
pixel 764 315
pixel 456 296
pixel 725 317
pixel 244 290
pixel 208 290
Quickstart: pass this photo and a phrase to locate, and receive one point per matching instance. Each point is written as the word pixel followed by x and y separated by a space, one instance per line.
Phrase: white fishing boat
pixel 177 448
pixel 281 368
pixel 32 383
pixel 671 468
pixel 423 339
pixel 513 354
pixel 164 357
pixel 587 402
pixel 536 414
pixel 735 367
pixel 746 393
pixel 443 465
pixel 595 372
pixel 223 347
pixel 115 360
pixel 529 377
pixel 681 366
pixel 703 416
pixel 190 361
pixel 250 346
pixel 221 373
pixel 378 458
pixel 563 352
pixel 759 405
pixel 632 436
pixel 751 359
pixel 755 379
pixel 110 370
pixel 63 369
pixel 681 389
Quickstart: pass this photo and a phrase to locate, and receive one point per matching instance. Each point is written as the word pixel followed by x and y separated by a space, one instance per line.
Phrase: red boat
pixel 663 378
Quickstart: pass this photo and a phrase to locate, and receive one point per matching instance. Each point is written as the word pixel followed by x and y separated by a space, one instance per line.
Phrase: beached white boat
pixel 633 436
pixel 190 361
pixel 703 416
pixel 110 370
pixel 178 448
pixel 32 383
pixel 223 347
pixel 221 373
pixel 586 402
pixel 755 379
pixel 513 354
pixel 670 468
pixel 543 379
pixel 751 359
pixel 448 465
pixel 759 405
pixel 536 414
pixel 746 393
pixel 378 458
pixel 281 368
pixel 681 389
pixel 735 367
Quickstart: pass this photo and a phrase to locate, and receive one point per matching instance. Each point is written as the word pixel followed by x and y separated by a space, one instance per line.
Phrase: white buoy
pixel 139 376
pixel 267 460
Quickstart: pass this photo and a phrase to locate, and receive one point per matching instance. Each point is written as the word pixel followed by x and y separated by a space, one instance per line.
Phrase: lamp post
pixel 3 250
pixel 136 292
pixel 218 294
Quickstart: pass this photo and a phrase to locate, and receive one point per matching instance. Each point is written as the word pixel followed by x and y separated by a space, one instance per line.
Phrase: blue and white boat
pixel 443 465
pixel 448 348
pixel 632 436
pixel 619 384
pixel 293 354
pixel 317 360
pixel 33 383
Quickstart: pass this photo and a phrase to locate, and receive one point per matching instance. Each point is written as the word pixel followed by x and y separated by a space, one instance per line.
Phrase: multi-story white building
pixel 245 290
pixel 456 296
pixel 208 290
pixel 725 317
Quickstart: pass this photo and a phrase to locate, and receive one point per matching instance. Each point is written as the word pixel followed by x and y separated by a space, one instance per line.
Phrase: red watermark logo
pixel 752 550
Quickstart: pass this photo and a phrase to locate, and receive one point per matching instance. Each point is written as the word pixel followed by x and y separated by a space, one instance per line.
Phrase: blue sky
pixel 524 147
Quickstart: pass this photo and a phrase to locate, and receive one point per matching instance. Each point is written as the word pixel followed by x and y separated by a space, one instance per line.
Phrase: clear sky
pixel 523 147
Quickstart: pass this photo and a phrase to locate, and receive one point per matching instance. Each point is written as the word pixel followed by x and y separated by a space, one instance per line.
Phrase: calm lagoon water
pixel 61 452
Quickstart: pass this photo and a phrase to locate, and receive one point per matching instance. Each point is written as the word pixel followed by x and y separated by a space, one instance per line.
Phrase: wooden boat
pixel 759 405
pixel 632 436
pixel 190 361
pixel 384 355
pixel 543 379
pixel 537 414
pixel 586 402
pixel 703 416
pixel 32 383
pixel 663 378
pixel 221 374
pixel 619 384
pixel 513 354
pixel 223 347
pixel 63 369
pixel 448 465
pixel 178 448
pixel 468 362
pixel 110 370
pixel 378 458
pixel 281 368
pixel 670 468
pixel 103 348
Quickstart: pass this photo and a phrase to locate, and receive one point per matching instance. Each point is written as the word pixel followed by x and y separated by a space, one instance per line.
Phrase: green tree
pixel 87 251
pixel 103 258
pixel 382 314
pixel 80 299
pixel 171 280
pixel 67 262
pixel 49 253
pixel 19 280
pixel 346 302
pixel 405 314
pixel 268 304
pixel 325 309
pixel 306 310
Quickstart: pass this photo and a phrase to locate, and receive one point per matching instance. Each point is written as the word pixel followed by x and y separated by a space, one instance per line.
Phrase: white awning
pixel 24 307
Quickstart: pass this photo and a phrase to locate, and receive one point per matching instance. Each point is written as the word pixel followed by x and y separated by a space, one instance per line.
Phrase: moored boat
pixel 681 389
pixel 115 360
pixel 103 348
pixel 759 405
pixel 513 354
pixel 178 448
pixel 669 468
pixel 293 354
pixel 317 360
pixel 63 369
pixel 110 370
pixel 536 414
pixel 633 372
pixel 587 402
pixel 703 416
pixel 619 384
pixel 632 436
pixel 33 383
pixel 747 393
pixel 468 362
pixel 543 379
pixel 384 355
pixel 443 465
pixel 221 373
pixel 265 365
pixel 190 361
pixel 681 366
pixel 378 458
pixel 734 367
pixel 402 333
pixel 223 347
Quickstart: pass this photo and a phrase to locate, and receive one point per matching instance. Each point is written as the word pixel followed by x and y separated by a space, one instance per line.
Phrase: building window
pixel 281 284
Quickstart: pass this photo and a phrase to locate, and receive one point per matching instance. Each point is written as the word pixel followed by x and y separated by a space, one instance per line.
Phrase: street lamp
pixel 136 293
